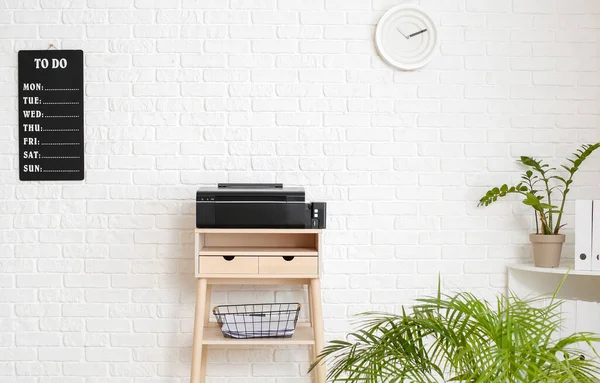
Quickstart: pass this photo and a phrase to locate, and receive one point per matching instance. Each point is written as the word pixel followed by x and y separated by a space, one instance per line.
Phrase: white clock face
pixel 406 37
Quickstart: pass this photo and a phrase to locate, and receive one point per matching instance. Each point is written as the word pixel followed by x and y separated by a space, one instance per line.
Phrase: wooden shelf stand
pixel 256 256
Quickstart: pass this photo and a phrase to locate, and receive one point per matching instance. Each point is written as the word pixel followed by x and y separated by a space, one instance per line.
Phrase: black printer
pixel 257 206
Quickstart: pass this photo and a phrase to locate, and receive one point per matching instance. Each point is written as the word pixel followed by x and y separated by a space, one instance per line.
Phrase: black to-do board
pixel 51 115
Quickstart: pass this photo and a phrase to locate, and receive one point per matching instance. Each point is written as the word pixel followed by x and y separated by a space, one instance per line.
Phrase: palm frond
pixel 460 338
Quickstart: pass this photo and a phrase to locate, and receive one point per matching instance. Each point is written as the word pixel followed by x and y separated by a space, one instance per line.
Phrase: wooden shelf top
pixel 557 270
pixel 262 231
pixel 302 336
pixel 258 251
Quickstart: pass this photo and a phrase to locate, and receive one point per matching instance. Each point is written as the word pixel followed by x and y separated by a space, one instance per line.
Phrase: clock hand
pixel 402 33
pixel 417 33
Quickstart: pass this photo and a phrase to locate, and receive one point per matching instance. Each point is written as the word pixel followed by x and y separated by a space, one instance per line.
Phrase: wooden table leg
pixel 310 306
pixel 207 310
pixel 197 372
pixel 317 315
pixel 313 350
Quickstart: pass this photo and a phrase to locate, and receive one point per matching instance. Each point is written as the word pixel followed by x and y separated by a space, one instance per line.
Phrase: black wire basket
pixel 266 320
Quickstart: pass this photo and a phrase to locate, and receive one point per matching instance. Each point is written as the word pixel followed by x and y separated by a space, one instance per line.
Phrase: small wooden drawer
pixel 227 265
pixel 288 265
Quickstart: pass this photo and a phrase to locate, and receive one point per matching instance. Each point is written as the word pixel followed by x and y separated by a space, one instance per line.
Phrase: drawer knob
pixel 288 258
pixel 228 258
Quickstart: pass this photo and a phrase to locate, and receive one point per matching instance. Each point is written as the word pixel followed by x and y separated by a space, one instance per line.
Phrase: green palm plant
pixel 460 338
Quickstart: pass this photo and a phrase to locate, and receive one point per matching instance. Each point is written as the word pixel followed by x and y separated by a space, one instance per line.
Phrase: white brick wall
pixel 95 277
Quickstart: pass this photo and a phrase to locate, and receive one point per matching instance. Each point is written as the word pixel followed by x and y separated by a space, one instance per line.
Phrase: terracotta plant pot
pixel 546 249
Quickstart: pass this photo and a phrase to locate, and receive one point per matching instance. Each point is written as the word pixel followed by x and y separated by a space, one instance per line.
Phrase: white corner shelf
pixel 526 280
pixel 579 294
pixel 556 270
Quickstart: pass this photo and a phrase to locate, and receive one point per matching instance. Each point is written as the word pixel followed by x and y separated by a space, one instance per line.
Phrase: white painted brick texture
pixel 96 279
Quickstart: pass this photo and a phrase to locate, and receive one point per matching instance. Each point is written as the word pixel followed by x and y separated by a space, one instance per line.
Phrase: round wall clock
pixel 406 37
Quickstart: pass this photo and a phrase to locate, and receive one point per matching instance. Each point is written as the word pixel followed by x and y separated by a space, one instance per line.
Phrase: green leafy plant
pixel 540 198
pixel 459 338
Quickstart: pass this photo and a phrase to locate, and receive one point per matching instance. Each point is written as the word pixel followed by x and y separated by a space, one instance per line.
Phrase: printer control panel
pixel 318 215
